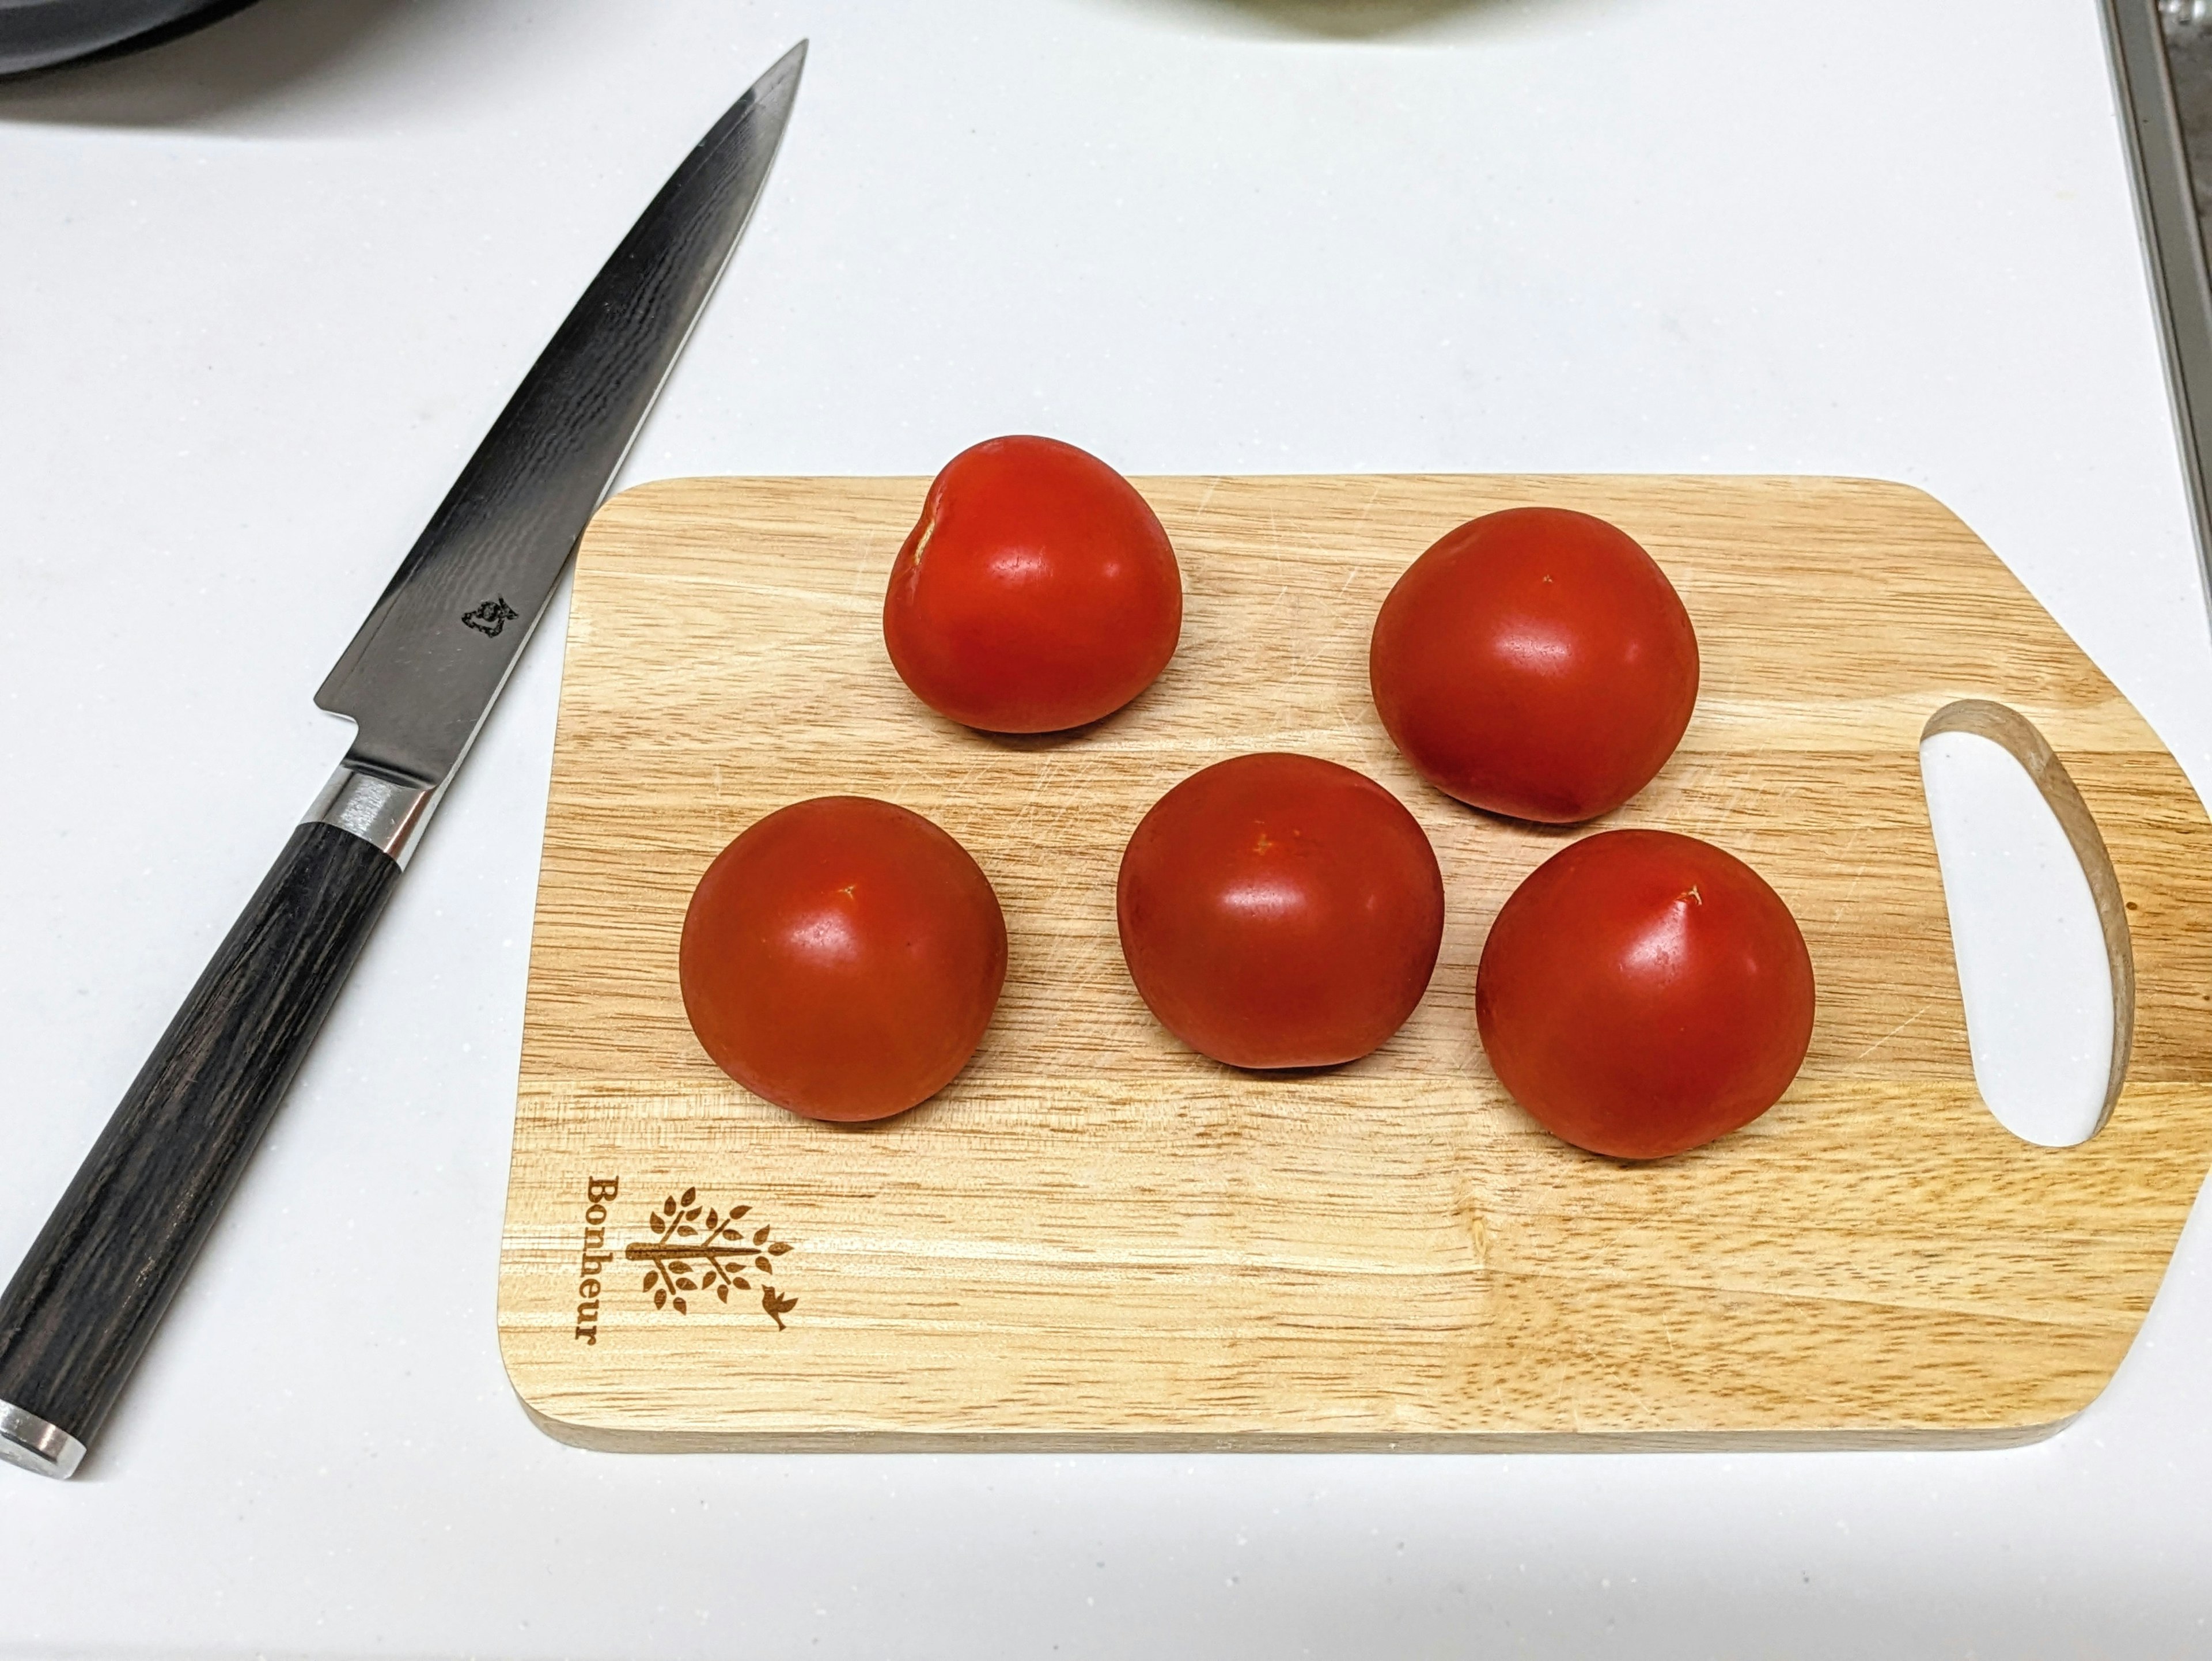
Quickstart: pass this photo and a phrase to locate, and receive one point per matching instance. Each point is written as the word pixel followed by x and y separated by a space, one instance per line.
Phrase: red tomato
pixel 842 958
pixel 1537 663
pixel 1280 911
pixel 1643 993
pixel 1036 593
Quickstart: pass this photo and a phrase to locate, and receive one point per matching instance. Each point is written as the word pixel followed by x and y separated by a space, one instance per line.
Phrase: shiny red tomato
pixel 842 958
pixel 1537 663
pixel 1037 592
pixel 1643 993
pixel 1280 911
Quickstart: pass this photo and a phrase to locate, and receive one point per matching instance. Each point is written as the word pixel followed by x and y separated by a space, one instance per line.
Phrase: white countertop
pixel 262 291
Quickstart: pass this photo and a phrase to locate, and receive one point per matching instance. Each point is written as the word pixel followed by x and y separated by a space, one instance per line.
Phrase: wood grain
pixel 1096 1238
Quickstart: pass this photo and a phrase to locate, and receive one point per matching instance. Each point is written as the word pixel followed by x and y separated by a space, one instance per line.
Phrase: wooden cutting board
pixel 1095 1239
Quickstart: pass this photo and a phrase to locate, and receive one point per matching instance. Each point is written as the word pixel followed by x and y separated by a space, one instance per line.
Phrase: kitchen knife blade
pixel 418 680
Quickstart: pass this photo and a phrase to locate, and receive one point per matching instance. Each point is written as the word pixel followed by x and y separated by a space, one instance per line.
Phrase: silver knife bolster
pixel 382 814
pixel 31 1442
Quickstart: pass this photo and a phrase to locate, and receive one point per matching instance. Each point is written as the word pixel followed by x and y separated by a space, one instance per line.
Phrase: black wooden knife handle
pixel 78 1314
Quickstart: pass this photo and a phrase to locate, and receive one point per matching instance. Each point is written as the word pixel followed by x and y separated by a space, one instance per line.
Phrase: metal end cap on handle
pixel 29 1441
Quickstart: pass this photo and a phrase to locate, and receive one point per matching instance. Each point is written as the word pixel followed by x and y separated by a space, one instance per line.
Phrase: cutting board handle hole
pixel 2039 926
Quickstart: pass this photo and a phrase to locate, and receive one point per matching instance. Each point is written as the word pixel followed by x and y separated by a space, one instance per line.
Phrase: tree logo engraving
pixel 694 1254
pixel 491 617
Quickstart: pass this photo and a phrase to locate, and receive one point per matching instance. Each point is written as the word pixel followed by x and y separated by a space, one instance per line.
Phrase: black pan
pixel 38 34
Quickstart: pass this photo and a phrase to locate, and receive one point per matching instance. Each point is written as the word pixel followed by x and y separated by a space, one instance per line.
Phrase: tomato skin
pixel 1277 910
pixel 1037 590
pixel 1536 663
pixel 842 958
pixel 1643 993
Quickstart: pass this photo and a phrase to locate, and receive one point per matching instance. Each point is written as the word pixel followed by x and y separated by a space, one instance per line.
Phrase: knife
pixel 417 680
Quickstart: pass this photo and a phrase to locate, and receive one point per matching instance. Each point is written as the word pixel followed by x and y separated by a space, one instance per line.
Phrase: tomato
pixel 1280 911
pixel 1643 993
pixel 841 958
pixel 1537 663
pixel 1037 592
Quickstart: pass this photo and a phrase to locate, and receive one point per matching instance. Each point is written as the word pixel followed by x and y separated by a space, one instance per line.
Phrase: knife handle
pixel 79 1312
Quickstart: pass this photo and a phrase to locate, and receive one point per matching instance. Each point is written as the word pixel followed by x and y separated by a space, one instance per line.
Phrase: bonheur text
pixel 597 1190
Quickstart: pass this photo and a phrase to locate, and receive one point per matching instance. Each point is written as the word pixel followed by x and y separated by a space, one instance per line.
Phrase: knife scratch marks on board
pixel 1894 1030
pixel 806 597
pixel 869 568
pixel 1028 804
pixel 1076 790
pixel 1317 645
pixel 1852 889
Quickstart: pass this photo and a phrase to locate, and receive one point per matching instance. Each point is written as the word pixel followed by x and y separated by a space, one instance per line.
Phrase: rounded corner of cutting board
pixel 536 1389
pixel 1900 490
pixel 1916 499
pixel 593 1438
pixel 519 1374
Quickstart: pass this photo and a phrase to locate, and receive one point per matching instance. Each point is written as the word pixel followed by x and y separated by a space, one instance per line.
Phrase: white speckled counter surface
pixel 261 291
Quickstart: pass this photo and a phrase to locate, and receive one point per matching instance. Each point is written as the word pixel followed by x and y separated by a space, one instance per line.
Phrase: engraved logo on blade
pixel 491 617
pixel 696 1253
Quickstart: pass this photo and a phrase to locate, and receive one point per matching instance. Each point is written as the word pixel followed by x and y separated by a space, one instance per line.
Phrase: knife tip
pixel 782 77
